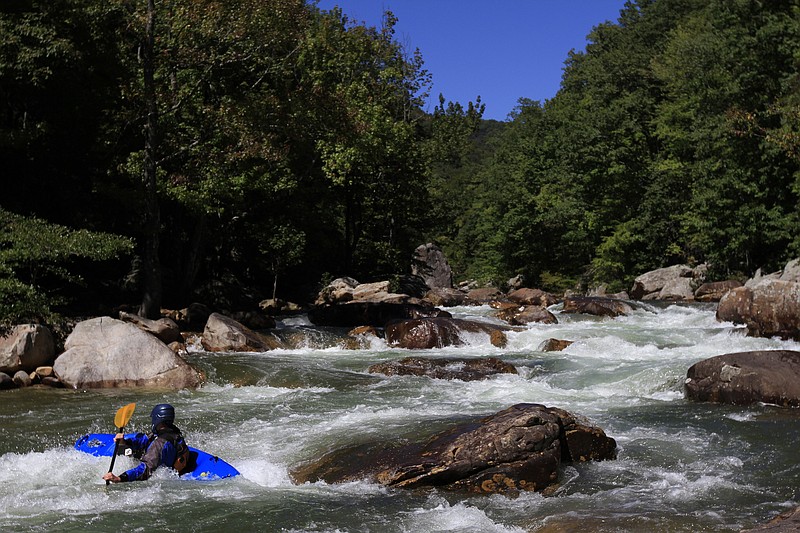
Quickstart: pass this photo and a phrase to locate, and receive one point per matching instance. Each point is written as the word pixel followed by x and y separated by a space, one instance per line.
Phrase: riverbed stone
pixel 165 329
pixel 651 283
pixel 599 306
pixel 517 315
pixel 445 368
pixel 714 291
pixel 25 347
pixel 6 381
pixel 105 352
pixel 425 333
pixel 22 379
pixel 224 334
pixel 743 378
pixel 527 296
pixel 554 345
pixel 518 449
pixel 770 308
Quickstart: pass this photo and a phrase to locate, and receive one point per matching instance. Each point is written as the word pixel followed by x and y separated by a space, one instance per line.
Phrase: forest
pixel 160 153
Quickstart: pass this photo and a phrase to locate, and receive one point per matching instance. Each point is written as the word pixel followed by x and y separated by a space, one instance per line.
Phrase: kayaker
pixel 164 446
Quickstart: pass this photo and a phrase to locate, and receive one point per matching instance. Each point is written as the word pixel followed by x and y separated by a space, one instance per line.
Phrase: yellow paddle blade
pixel 123 415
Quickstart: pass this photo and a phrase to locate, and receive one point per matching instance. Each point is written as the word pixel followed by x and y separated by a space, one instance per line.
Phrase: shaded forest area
pixel 158 153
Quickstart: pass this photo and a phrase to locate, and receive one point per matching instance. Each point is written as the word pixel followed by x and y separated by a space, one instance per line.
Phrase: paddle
pixel 121 419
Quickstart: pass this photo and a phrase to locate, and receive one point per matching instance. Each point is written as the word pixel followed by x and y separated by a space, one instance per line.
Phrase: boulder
pixel 769 309
pixel 191 318
pixel 518 449
pixel 771 376
pixel 6 381
pixel 599 306
pixel 483 295
pixel 655 280
pixel 460 369
pixel 22 379
pixel 517 315
pixel 715 290
pixel 224 334
pixel 425 333
pixel 26 347
pixel 553 345
pixel 337 291
pixel 527 296
pixel 165 329
pixel 680 289
pixel 786 522
pixel 791 272
pixel 254 319
pixel 442 297
pixel 105 352
pixel 376 314
pixel 430 264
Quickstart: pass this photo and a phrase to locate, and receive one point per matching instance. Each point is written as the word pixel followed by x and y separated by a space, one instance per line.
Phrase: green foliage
pixel 34 253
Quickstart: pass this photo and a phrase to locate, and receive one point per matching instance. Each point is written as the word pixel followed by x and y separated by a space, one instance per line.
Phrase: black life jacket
pixel 173 435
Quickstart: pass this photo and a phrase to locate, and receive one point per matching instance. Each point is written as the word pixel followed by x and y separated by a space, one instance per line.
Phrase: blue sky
pixel 501 50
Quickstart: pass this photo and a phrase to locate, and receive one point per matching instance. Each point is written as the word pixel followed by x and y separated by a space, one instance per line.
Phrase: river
pixel 682 466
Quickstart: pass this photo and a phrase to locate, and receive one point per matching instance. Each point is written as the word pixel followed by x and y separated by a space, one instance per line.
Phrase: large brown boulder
pixel 771 376
pixel 483 295
pixel 224 334
pixel 442 297
pixel 105 352
pixel 714 291
pixel 527 296
pixel 25 347
pixel 519 315
pixel 450 368
pixel 593 305
pixel 769 309
pixel 517 449
pixel 427 333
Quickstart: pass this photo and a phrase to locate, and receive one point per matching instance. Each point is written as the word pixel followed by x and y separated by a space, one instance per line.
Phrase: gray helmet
pixel 162 412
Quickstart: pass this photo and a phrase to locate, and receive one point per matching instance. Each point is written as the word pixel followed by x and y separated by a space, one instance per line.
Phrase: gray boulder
pixel 430 264
pixel 165 329
pixel 105 352
pixel 771 376
pixel 224 334
pixel 26 347
pixel 651 283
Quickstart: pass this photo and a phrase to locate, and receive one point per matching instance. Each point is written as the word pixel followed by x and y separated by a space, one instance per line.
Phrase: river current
pixel 682 466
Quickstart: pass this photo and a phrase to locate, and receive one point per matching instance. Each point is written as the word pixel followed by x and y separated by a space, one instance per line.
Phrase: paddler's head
pixel 162 412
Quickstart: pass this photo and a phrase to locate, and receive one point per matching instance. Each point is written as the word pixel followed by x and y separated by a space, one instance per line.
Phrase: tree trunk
pixel 152 291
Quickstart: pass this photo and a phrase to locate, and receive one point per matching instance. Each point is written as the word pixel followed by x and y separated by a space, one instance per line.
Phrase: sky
pixel 500 50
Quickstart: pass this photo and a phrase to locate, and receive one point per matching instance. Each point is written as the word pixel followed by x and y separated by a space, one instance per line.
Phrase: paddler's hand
pixel 109 476
pixel 119 437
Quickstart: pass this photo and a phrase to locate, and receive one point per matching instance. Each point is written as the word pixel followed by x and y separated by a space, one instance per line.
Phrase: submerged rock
pixel 517 449
pixel 451 368
pixel 783 523
pixel 743 378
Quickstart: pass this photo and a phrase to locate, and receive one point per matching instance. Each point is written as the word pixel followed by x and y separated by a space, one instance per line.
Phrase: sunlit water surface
pixel 682 466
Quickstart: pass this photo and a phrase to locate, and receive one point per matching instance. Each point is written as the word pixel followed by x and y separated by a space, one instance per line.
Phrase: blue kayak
pixel 202 466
